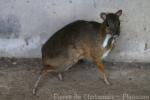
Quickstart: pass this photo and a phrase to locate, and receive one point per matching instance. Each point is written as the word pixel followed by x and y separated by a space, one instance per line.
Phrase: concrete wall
pixel 26 24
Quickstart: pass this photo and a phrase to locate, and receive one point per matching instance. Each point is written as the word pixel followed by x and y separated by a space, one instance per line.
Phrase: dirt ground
pixel 129 81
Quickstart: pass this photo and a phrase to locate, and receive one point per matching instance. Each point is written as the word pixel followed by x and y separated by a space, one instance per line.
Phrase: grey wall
pixel 26 24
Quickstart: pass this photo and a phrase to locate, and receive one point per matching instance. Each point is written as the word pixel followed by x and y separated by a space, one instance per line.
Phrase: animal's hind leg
pixel 60 76
pixel 102 69
pixel 68 65
pixel 45 70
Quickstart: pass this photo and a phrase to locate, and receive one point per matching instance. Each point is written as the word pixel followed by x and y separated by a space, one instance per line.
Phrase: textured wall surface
pixel 26 24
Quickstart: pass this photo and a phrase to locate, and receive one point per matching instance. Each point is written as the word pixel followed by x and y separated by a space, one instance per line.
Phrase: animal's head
pixel 112 24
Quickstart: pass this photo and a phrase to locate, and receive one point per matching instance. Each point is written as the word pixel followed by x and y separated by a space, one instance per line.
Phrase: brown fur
pixel 79 40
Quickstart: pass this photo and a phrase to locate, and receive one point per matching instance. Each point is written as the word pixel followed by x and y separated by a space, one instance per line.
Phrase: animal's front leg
pixel 102 69
pixel 112 44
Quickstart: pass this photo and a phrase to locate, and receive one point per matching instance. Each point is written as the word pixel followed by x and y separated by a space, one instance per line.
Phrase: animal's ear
pixel 103 15
pixel 119 13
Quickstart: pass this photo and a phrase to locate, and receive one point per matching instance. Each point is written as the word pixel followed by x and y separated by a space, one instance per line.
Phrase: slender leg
pixel 36 84
pixel 43 72
pixel 60 77
pixel 101 67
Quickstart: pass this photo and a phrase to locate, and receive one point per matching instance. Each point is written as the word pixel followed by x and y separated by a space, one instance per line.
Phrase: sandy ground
pixel 130 81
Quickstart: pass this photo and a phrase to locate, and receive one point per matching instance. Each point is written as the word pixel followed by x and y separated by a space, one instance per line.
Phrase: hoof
pixel 106 80
pixel 60 77
pixel 34 91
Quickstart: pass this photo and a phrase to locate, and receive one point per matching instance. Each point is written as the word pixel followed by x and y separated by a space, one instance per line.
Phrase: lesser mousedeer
pixel 78 40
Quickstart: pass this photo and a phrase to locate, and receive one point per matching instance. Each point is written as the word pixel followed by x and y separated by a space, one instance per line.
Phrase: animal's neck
pixel 103 31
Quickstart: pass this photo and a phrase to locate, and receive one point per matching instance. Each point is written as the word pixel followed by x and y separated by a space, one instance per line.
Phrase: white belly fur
pixel 108 51
pixel 105 42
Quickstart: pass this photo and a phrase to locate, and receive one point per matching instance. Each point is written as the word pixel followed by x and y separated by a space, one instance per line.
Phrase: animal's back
pixel 71 35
